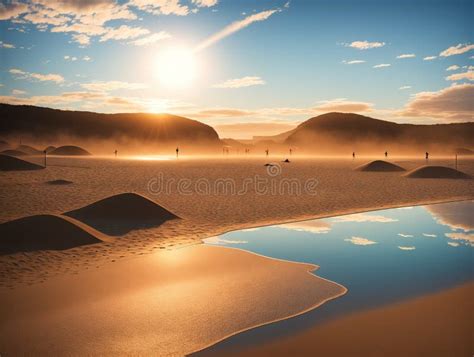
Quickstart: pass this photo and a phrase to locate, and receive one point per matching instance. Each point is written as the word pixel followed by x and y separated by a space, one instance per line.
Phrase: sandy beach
pixel 339 190
pixel 153 305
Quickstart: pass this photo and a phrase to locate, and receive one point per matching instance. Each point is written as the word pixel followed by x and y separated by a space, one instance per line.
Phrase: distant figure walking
pixel 386 154
pixel 45 153
pixel 177 152
pixel 115 152
pixel 427 154
pixel 291 151
pixel 353 155
pixel 266 152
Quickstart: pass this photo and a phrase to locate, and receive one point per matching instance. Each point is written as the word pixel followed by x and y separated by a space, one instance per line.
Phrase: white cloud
pixel 406 55
pixel 405 235
pixel 81 39
pixel 20 74
pixel 362 217
pixel 161 7
pixel 69 58
pixel 453 68
pixel 430 235
pixel 453 103
pixel 99 86
pixel 457 50
pixel 18 92
pixel 365 45
pixel 467 237
pixel 123 32
pixel 234 27
pixel 360 241
pixel 469 75
pixel 382 65
pixel 404 87
pixel 353 61
pixel 406 248
pixel 86 58
pixel 247 81
pixel 205 3
pixel 12 10
pixel 6 45
pixel 429 58
pixel 219 240
pixel 153 38
pixel 316 226
pixel 453 244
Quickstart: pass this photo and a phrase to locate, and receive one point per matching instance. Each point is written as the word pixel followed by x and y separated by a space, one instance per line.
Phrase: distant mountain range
pixel 327 133
pixel 51 124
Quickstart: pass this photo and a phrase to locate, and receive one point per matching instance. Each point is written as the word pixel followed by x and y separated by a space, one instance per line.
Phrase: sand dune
pixel 43 232
pixel 380 166
pixel 166 304
pixel 10 163
pixel 11 152
pixel 29 150
pixel 70 150
pixel 437 172
pixel 119 214
pixel 49 149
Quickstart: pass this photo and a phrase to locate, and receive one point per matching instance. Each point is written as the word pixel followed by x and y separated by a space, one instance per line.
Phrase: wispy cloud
pixel 362 217
pixel 454 67
pixel 430 235
pixel 404 87
pixel 467 237
pixel 6 45
pixel 18 92
pixel 247 81
pixel 469 75
pixel 405 235
pixel 205 3
pixel 430 58
pixel 153 38
pixel 406 248
pixel 234 27
pixel 100 86
pixel 360 241
pixel 406 55
pixel 453 244
pixel 353 61
pixel 382 65
pixel 365 45
pixel 123 32
pixel 20 74
pixel 457 50
pixel 219 240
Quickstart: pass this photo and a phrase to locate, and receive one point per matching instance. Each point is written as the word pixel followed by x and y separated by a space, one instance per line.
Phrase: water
pixel 381 257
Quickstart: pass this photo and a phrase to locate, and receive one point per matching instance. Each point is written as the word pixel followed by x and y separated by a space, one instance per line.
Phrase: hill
pixel 53 124
pixel 343 132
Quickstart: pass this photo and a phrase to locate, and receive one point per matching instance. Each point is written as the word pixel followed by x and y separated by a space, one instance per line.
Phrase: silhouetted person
pixel 115 152
pixel 45 152
pixel 353 155
pixel 177 152
pixel 386 154
pixel 266 152
pixel 427 154
pixel 291 150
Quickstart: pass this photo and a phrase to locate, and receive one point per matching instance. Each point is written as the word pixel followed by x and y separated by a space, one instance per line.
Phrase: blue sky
pixel 245 67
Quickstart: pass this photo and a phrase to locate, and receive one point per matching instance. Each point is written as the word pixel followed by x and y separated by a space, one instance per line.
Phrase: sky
pixel 245 67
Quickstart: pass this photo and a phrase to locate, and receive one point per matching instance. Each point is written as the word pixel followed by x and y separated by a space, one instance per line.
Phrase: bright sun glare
pixel 176 67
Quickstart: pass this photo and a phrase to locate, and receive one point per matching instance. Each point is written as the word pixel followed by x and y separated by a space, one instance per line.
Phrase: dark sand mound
pixel 29 150
pixel 59 182
pixel 49 149
pixel 4 145
pixel 70 150
pixel 437 172
pixel 13 153
pixel 10 163
pixel 119 214
pixel 42 232
pixel 380 166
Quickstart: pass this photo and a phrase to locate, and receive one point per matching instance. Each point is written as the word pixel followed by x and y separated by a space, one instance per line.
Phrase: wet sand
pixel 439 324
pixel 339 190
pixel 169 303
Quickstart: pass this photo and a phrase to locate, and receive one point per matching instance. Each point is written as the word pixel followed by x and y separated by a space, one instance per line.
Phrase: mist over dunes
pixel 148 129
pixel 342 132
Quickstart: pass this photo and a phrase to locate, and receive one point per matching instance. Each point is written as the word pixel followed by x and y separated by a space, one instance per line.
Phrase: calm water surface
pixel 381 256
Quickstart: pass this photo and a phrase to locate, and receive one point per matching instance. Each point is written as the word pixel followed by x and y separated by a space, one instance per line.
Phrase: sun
pixel 176 67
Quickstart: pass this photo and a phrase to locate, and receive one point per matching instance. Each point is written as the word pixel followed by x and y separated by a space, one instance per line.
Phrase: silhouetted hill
pixel 342 132
pixel 51 124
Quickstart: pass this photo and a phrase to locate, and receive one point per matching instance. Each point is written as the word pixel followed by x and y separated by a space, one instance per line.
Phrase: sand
pixel 439 324
pixel 10 163
pixel 437 172
pixel 70 150
pixel 119 214
pixel 380 166
pixel 339 190
pixel 169 303
pixel 10 152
